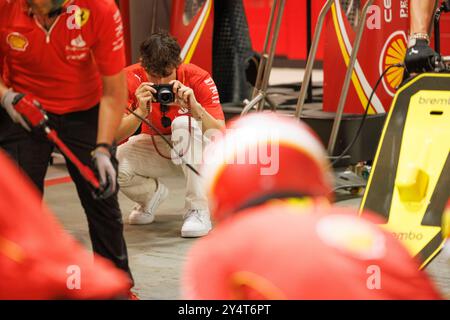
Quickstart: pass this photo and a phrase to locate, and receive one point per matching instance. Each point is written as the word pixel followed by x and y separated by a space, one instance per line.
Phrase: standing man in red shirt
pixel 69 57
pixel 146 158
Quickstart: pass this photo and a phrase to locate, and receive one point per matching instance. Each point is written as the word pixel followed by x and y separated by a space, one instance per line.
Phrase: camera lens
pixel 165 96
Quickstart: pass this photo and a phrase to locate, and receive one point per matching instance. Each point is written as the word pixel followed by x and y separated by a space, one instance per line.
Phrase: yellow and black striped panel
pixel 396 151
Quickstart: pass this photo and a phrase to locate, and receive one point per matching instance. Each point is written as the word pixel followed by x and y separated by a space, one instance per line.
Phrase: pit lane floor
pixel 157 252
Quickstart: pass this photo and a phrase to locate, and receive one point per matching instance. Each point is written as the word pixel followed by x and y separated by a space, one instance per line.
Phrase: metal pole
pixel 270 27
pixel 309 98
pixel 259 76
pixel 436 7
pixel 264 56
pixel 273 46
pixel 445 7
pixel 249 106
pixel 437 31
pixel 348 78
pixel 267 57
pixel 312 57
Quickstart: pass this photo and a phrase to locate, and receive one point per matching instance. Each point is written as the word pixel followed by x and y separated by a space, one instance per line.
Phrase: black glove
pixel 445 6
pixel 106 170
pixel 421 58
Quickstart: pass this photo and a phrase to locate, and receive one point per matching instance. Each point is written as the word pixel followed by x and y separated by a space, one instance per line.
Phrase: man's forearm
pixel 110 117
pixel 421 15
pixel 112 107
pixel 208 121
pixel 3 89
pixel 129 125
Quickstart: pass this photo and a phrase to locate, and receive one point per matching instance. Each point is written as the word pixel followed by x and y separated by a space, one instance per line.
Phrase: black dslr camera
pixel 164 94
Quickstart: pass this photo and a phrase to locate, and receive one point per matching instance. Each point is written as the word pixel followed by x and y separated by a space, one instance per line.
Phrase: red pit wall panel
pixel 292 40
pixel 200 48
pixel 383 43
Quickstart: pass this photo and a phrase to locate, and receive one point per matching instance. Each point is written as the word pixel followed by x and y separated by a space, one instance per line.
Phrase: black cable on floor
pixel 363 120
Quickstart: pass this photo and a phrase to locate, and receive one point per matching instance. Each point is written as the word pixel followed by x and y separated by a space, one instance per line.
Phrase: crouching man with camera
pixel 181 101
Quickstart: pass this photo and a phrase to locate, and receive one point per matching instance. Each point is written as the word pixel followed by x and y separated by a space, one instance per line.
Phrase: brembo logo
pixel 412 236
pixel 434 101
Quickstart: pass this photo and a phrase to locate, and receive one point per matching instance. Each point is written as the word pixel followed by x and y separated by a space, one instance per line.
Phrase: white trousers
pixel 140 164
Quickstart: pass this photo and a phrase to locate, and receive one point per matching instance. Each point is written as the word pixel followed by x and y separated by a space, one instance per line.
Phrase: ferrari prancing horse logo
pixel 82 16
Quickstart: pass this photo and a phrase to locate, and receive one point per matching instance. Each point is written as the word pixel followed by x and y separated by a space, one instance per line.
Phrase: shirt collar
pixel 26 8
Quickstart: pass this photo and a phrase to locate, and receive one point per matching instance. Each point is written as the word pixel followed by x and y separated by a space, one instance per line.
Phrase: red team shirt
pixel 62 67
pixel 35 255
pixel 281 251
pixel 190 75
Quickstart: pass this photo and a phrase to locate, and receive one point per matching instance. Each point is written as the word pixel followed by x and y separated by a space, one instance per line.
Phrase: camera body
pixel 164 94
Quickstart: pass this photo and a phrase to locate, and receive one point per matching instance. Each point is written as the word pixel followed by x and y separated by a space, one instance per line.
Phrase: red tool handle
pixel 84 170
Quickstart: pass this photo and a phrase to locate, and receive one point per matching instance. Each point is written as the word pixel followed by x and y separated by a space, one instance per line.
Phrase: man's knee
pixel 124 177
pixel 183 130
pixel 183 122
pixel 122 151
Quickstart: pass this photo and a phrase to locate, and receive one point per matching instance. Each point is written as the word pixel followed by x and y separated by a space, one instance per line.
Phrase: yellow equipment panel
pixel 410 179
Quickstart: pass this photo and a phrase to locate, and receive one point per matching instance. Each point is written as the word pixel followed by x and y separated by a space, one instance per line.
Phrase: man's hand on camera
pixel 144 95
pixel 184 96
pixel 421 58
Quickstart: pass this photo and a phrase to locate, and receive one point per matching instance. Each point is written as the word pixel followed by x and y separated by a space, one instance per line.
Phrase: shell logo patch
pixel 17 41
pixel 82 16
pixel 393 52
pixel 352 236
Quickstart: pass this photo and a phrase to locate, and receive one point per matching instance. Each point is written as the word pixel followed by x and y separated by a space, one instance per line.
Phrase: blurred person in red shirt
pixel 277 234
pixel 38 259
pixel 68 57
pixel 446 230
pixel 146 158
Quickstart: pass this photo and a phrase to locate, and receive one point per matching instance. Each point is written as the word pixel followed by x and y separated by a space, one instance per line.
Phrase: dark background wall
pixel 146 15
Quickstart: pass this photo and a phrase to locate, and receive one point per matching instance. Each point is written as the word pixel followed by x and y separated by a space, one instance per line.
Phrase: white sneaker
pixel 197 223
pixel 139 216
pixel 146 214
